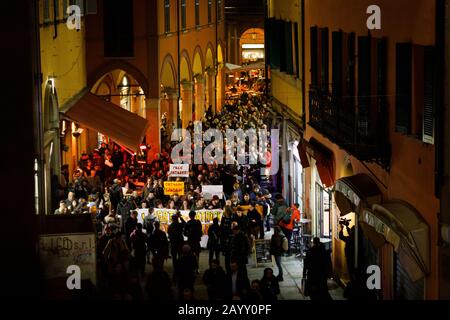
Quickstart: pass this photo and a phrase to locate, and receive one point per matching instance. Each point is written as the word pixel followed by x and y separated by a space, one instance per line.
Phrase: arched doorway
pixel 122 89
pixel 199 85
pixel 220 88
pixel 169 99
pixel 52 149
pixel 251 46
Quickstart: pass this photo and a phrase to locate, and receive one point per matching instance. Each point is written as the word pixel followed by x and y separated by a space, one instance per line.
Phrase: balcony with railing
pixel 358 125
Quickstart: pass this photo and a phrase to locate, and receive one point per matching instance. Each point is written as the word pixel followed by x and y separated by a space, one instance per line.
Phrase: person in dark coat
pixel 175 232
pixel 214 240
pixel 240 248
pixel 269 286
pixel 130 226
pixel 116 194
pixel 185 270
pixel 159 285
pixel 238 284
pixel 316 269
pixel 193 231
pixel 254 218
pixel 139 248
pixel 158 242
pixel 215 281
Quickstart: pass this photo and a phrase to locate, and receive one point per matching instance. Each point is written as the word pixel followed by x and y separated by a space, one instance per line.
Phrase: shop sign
pixel 59 251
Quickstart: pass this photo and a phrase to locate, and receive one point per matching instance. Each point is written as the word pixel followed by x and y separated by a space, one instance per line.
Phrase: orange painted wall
pixel 411 177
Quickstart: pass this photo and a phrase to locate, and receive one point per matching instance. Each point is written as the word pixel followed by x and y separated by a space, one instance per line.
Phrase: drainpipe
pixel 179 64
pixel 55 19
pixel 216 62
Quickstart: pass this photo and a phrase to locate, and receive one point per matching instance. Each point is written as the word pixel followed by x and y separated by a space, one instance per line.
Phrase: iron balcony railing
pixel 357 124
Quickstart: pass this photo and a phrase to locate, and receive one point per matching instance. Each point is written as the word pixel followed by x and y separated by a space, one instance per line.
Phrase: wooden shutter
pixel 324 69
pixel 429 95
pixel 296 51
pixel 288 43
pixel 282 35
pixel 337 38
pixel 364 83
pixel 314 55
pixel 403 85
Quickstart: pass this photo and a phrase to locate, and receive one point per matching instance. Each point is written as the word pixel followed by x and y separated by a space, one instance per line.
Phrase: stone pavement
pixel 290 287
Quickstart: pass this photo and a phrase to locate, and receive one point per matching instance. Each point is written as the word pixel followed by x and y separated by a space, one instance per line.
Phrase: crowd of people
pixel 112 186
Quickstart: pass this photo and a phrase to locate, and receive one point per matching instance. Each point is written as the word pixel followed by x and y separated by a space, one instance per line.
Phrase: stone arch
pixel 115 64
pixel 197 66
pixel 209 57
pixel 167 75
pixel 185 66
pixel 220 53
pixel 51 107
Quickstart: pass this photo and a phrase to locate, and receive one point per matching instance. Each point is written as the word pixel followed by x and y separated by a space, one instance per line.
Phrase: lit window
pixel 197 12
pixel 166 16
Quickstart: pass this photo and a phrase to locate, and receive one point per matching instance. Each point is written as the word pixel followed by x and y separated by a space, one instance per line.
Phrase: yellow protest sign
pixel 172 187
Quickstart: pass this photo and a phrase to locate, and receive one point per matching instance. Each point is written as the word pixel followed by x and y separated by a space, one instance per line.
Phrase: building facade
pixel 371 140
pixel 284 31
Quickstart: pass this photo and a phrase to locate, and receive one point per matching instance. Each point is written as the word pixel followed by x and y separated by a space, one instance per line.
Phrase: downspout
pixel 266 57
pixel 303 64
pixel 38 117
pixel 179 64
pixel 216 62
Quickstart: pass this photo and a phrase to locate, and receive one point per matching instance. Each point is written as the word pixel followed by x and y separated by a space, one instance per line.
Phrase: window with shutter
pixel 282 26
pixel 429 95
pixel 91 7
pixel 403 86
pixel 337 63
pixel 288 44
pixel 364 84
pixel 296 51
pixel 276 44
pixel 314 55
pixel 324 69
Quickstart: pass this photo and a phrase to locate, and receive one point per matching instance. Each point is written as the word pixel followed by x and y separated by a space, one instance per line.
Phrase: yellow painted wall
pixel 63 59
pixel 286 88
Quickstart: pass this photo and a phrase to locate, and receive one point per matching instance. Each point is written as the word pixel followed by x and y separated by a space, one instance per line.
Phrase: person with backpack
pixel 287 223
pixel 279 209
pixel 278 246
pixel 194 232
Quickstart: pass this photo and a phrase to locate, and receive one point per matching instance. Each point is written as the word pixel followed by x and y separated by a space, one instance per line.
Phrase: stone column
pixel 170 107
pixel 220 89
pixel 199 97
pixel 210 82
pixel 186 104
pixel 152 114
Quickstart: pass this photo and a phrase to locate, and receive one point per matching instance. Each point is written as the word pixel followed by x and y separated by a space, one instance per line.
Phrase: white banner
pixel 179 170
pixel 142 213
pixel 208 191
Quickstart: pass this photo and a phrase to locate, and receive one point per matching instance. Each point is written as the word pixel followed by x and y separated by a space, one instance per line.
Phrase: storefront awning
pixel 402 226
pixel 302 153
pixel 122 126
pixel 229 67
pixel 324 161
pixel 355 192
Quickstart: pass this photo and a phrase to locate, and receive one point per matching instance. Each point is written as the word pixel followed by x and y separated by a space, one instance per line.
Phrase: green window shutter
pixel 282 35
pixel 429 95
pixel 314 55
pixel 288 42
pixel 324 70
pixel 337 38
pixel 364 84
pixel 403 84
pixel 297 53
